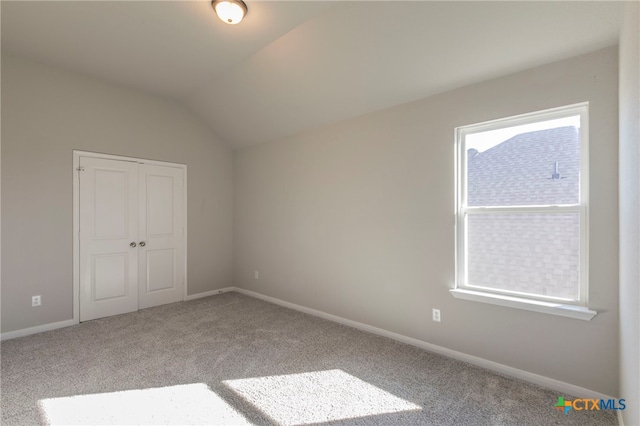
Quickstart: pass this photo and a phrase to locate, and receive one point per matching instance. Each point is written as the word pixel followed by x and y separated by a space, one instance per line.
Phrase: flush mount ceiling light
pixel 230 11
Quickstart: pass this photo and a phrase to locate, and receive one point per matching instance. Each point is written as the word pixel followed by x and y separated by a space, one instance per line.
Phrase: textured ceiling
pixel 297 65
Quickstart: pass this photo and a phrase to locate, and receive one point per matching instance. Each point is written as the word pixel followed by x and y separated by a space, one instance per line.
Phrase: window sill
pixel 570 311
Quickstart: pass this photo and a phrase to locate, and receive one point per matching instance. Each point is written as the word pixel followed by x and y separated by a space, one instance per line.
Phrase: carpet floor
pixel 234 359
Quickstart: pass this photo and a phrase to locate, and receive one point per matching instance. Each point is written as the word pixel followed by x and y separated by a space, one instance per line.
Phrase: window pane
pixel 533 253
pixel 536 164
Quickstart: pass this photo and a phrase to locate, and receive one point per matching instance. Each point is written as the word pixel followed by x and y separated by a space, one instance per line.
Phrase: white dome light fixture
pixel 230 11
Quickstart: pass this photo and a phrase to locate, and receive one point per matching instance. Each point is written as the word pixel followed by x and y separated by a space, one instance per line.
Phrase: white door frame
pixel 76 217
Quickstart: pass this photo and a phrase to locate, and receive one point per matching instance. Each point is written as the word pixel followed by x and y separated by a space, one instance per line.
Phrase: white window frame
pixel 539 303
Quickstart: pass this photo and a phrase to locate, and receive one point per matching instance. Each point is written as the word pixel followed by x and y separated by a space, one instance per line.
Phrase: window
pixel 522 204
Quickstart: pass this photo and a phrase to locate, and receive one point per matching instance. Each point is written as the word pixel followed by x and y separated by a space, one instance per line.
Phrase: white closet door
pixel 108 231
pixel 161 242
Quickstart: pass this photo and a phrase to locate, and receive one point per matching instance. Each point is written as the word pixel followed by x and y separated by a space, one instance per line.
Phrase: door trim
pixel 76 217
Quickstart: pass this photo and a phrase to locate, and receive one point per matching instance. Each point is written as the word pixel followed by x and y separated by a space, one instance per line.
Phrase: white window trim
pixel 568 308
pixel 563 310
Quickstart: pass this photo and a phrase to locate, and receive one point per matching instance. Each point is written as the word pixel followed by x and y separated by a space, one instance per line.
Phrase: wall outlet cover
pixel 436 315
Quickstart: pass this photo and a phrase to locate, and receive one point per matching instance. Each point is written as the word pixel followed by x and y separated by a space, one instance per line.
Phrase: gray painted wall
pixel 46 113
pixel 357 220
pixel 630 212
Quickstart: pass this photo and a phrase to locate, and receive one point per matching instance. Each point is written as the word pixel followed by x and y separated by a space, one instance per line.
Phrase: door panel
pixel 161 260
pixel 161 269
pixel 110 272
pixel 111 204
pixel 159 207
pixel 108 224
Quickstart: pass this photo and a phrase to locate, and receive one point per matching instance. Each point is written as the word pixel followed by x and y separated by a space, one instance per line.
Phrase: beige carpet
pixel 233 359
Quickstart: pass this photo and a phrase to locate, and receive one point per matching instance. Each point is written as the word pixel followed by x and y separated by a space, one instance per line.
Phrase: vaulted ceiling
pixel 291 66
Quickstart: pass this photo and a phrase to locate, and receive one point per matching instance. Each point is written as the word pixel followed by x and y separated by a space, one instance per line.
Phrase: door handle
pixel 133 244
pixel 142 244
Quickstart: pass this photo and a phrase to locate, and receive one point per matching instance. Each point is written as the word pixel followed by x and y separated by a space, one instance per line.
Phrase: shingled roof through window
pixel 520 170
pixel 534 253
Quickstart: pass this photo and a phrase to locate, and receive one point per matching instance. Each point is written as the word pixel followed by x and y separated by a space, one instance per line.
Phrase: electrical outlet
pixel 436 315
pixel 36 301
pixel 256 275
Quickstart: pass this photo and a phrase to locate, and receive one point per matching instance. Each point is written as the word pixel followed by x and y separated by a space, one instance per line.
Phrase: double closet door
pixel 132 242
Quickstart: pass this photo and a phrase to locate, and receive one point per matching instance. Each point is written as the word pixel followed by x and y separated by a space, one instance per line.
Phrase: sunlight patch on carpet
pixel 315 397
pixel 193 404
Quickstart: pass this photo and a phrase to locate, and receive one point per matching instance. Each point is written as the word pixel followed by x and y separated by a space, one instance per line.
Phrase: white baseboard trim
pixel 55 325
pixel 38 329
pixel 209 293
pixel 564 389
